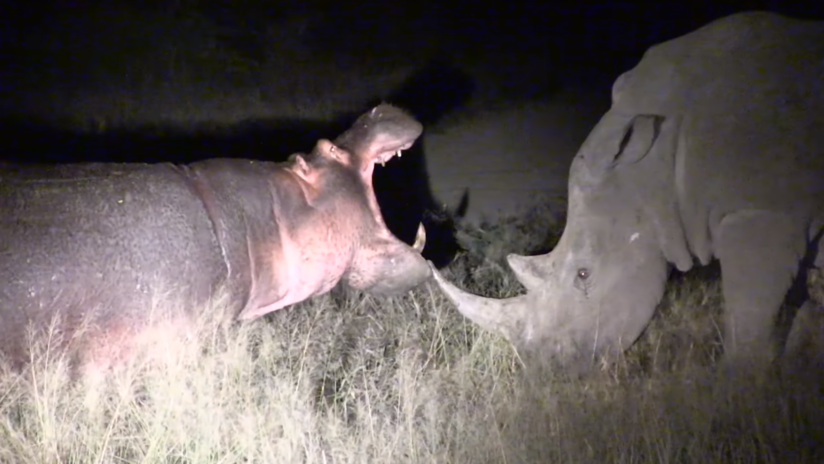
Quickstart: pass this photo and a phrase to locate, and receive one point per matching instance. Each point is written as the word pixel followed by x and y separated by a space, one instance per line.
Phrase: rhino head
pixel 594 293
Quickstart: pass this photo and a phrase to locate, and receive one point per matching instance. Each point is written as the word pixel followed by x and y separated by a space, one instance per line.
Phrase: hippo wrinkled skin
pixel 102 244
pixel 713 149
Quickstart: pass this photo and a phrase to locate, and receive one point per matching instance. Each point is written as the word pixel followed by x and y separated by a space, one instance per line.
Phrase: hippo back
pixel 114 239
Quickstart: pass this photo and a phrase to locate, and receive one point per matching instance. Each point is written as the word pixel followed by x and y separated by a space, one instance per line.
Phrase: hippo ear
pixel 310 177
pixel 301 167
pixel 616 141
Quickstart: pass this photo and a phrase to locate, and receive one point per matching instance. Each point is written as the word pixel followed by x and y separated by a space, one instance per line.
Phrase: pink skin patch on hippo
pixel 158 342
pixel 312 257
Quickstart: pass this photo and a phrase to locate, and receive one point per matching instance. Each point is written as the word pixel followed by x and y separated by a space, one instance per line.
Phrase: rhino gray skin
pixel 117 238
pixel 713 148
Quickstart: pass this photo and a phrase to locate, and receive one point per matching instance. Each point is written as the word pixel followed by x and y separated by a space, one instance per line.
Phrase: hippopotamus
pixel 120 248
pixel 713 149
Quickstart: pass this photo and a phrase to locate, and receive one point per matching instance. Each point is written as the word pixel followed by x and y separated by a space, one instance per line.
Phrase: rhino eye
pixel 583 273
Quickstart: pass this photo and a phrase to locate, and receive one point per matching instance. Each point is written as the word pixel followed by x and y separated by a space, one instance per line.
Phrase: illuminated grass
pixel 346 378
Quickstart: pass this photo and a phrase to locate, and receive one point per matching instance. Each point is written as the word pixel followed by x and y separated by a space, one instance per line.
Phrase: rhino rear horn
pixel 527 270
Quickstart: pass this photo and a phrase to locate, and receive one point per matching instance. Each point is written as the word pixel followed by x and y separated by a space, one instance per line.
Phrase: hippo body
pixel 108 244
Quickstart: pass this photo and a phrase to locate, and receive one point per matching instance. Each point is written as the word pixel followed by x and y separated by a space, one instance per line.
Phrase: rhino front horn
pixel 420 238
pixel 500 316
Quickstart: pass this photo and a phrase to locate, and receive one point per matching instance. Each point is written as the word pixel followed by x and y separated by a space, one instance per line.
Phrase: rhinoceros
pixel 122 239
pixel 713 148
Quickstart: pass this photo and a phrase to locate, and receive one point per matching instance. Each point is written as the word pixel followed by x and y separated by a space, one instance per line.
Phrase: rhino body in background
pixel 713 149
pixel 104 244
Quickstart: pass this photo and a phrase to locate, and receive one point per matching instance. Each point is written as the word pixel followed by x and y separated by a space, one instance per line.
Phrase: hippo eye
pixel 583 273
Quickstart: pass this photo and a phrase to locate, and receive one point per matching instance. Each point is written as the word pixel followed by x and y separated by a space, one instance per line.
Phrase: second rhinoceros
pixel 103 245
pixel 713 149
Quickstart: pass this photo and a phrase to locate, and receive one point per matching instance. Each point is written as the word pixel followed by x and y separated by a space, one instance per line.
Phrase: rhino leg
pixel 760 255
pixel 804 351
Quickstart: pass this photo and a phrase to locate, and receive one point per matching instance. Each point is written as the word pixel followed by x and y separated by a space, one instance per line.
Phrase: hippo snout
pixel 389 267
pixel 401 275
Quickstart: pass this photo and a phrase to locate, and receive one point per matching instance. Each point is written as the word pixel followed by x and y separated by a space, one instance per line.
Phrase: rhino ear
pixel 638 139
pixel 616 141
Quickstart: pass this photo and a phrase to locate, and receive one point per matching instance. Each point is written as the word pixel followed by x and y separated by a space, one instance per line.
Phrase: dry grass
pixel 349 378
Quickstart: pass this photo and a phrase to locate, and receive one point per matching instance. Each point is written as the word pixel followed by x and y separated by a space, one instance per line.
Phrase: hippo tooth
pixel 399 154
pixel 383 163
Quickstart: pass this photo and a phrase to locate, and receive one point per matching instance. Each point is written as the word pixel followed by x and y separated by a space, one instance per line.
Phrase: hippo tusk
pixel 499 316
pixel 420 238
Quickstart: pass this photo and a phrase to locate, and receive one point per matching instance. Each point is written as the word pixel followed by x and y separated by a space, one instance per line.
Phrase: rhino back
pixel 739 58
pixel 749 91
pixel 753 136
pixel 109 237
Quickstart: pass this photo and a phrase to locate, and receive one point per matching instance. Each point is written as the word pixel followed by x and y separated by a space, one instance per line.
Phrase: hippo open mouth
pixel 379 135
pixel 389 155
